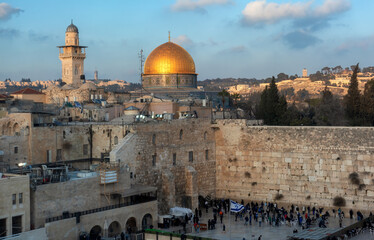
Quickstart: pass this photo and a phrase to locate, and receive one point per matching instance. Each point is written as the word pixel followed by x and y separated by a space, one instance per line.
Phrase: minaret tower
pixel 72 56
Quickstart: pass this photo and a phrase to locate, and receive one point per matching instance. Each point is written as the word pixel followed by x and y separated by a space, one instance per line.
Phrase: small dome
pixel 72 28
pixel 169 58
pixel 89 86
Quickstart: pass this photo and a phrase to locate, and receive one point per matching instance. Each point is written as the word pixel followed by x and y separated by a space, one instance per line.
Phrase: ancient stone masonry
pixel 299 165
pixel 172 156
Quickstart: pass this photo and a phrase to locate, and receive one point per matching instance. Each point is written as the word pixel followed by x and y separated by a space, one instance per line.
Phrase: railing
pixel 101 209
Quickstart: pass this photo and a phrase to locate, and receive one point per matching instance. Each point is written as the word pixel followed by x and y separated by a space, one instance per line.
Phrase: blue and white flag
pixel 236 207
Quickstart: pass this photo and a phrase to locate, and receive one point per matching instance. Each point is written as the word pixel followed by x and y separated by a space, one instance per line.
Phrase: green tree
pixel 329 110
pixel 223 94
pixel 353 100
pixel 272 107
pixel 368 103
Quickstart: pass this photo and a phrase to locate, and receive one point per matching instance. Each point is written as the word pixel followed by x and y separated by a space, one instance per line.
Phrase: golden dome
pixel 169 58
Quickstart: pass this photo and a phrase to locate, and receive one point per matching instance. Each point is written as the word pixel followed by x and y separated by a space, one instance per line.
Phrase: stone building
pixel 14 204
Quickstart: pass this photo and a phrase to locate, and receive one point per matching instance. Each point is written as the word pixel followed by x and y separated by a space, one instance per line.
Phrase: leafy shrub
pixel 278 196
pixel 353 177
pixel 339 201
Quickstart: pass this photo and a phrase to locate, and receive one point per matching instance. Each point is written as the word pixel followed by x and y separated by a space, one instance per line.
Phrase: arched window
pixel 205 135
pixel 115 140
pixel 181 134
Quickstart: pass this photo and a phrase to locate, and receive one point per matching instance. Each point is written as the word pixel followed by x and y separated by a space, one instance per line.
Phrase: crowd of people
pixel 269 213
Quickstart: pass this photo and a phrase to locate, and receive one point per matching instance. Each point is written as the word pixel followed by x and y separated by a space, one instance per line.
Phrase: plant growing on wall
pixel 339 201
pixel 278 196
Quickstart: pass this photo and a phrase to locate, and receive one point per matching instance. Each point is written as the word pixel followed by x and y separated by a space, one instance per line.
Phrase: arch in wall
pixel 114 229
pixel 16 129
pixel 147 221
pixel 8 129
pixel 115 140
pixel 205 135
pixel 95 232
pixel 131 225
pixel 154 139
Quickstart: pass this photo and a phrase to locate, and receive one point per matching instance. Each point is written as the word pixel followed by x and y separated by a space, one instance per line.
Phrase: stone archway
pixel 114 229
pixel 147 221
pixel 95 232
pixel 16 129
pixel 131 225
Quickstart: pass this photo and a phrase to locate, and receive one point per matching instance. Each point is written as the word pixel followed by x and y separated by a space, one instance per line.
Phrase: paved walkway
pixel 238 231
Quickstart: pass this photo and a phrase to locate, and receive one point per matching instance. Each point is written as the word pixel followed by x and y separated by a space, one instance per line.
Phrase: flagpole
pixel 230 221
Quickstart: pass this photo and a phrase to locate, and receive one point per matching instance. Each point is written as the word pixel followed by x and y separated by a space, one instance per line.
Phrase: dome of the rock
pixel 169 66
pixel 169 58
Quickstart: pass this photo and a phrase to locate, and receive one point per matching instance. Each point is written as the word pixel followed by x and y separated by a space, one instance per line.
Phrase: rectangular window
pixel 20 198
pixel 14 199
pixel 174 159
pixel 206 155
pixel 154 160
pixel 49 156
pixel 190 156
pixel 15 149
pixel 59 155
pixel 85 149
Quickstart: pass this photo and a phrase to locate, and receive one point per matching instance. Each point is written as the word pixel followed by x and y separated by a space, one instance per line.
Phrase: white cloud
pixel 192 5
pixel 6 11
pixel 260 11
pixel 183 40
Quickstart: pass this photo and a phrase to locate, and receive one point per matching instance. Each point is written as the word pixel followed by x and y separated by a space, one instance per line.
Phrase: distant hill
pixel 218 84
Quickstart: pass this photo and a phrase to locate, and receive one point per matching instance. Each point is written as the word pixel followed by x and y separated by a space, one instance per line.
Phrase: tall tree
pixel 368 103
pixel 353 99
pixel 223 94
pixel 272 107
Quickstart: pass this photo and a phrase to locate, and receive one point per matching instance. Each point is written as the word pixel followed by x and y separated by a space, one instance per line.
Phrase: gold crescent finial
pixel 169 36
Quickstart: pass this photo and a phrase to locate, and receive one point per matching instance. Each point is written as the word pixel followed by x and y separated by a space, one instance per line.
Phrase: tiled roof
pixel 26 91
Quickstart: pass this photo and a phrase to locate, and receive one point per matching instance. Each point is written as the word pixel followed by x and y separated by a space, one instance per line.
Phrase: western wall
pixel 307 166
pixel 227 159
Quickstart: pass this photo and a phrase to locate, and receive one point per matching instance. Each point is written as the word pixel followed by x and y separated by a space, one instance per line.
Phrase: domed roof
pixel 169 58
pixel 72 28
pixel 89 86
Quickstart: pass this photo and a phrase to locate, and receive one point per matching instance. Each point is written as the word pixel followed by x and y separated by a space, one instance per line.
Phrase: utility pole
pixel 141 58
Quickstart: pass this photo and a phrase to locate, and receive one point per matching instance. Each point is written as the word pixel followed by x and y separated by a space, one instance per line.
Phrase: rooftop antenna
pixel 169 36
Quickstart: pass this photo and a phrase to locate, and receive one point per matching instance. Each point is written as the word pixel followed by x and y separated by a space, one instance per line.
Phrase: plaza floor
pixel 237 230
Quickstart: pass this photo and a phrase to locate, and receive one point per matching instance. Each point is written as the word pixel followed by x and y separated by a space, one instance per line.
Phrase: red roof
pixel 26 91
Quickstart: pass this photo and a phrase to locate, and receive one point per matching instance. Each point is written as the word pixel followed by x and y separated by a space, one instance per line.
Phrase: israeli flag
pixel 236 207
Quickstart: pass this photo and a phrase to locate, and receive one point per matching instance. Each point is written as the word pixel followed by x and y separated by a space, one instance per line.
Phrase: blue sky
pixel 226 38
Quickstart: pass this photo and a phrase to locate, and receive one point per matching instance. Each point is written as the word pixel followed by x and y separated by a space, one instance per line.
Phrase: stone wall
pixel 304 165
pixel 150 156
pixel 51 200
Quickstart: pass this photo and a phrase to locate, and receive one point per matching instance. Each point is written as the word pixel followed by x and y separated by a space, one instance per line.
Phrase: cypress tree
pixel 272 107
pixel 353 100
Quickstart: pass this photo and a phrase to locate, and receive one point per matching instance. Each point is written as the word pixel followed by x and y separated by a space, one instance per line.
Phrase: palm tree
pixel 224 93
